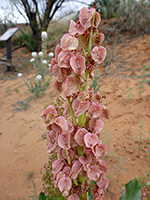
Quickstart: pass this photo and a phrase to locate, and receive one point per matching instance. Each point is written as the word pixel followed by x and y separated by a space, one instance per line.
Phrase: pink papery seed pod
pixel 96 125
pixel 93 173
pixel 73 197
pixel 90 140
pixel 57 166
pixel 53 62
pixel 62 123
pixel 99 54
pixel 58 86
pixel 95 110
pixel 56 71
pixel 85 16
pixel 70 153
pixel 103 182
pixel 70 85
pixel 78 64
pixel 106 112
pixel 52 138
pixel 86 159
pixel 75 170
pixel 100 149
pixel 98 38
pixel 64 141
pixel 57 51
pixel 76 28
pixel 66 170
pixel 97 19
pixel 64 59
pixel 65 185
pixel 69 42
pixel 80 107
pixel 79 136
pixel 49 113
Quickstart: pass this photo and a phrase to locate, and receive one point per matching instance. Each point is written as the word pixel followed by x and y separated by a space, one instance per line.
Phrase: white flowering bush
pixel 41 63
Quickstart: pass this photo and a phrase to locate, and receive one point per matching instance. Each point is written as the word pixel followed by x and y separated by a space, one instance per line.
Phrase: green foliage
pixel 130 93
pixel 27 39
pixel 37 87
pixel 141 83
pixel 42 196
pixel 133 191
pixel 107 8
pixel 34 196
pixel 94 83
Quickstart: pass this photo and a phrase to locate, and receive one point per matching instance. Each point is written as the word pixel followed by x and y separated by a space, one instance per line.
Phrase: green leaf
pixel 133 191
pixel 42 196
pixel 82 119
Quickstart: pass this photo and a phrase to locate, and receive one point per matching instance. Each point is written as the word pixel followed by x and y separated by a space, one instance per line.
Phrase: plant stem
pixel 72 113
pixel 87 195
pixel 90 39
pixel 68 157
pixel 86 84
pixel 84 52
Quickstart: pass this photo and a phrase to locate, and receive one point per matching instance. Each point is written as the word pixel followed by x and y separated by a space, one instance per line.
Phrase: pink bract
pixel 76 28
pixel 73 197
pixel 85 16
pixel 79 136
pixel 80 107
pixel 98 54
pixel 69 42
pixel 64 185
pixel 75 170
pixel 70 85
pixel 78 64
pixel 90 140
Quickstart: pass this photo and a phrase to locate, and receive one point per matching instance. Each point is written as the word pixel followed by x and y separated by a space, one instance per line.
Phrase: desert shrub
pixel 27 39
pixel 107 8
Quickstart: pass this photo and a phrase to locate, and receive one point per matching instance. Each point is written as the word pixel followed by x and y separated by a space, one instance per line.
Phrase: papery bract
pixel 85 16
pixel 80 107
pixel 93 173
pixel 98 54
pixel 69 42
pixel 70 85
pixel 57 166
pixel 76 28
pixel 90 140
pixel 76 168
pixel 64 141
pixel 78 64
pixel 73 197
pixel 64 185
pixel 79 136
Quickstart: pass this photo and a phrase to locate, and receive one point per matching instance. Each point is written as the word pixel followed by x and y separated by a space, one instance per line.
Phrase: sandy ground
pixel 127 132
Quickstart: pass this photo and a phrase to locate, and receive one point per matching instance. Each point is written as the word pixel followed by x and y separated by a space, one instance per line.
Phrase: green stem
pixel 87 195
pixel 72 113
pixel 68 157
pixel 84 52
pixel 86 84
pixel 90 39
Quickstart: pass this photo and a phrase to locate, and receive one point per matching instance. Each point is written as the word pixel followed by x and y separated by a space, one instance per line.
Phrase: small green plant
pixel 8 89
pixel 141 83
pixel 34 196
pixel 94 83
pixel 16 90
pixel 30 175
pixel 129 93
pixel 133 191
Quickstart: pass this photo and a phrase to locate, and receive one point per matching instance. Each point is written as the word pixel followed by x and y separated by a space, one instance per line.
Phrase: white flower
pixel 44 61
pixel 49 65
pixel 39 77
pixel 44 35
pixel 51 54
pixel 32 60
pixel 19 75
pixel 40 53
pixel 34 54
